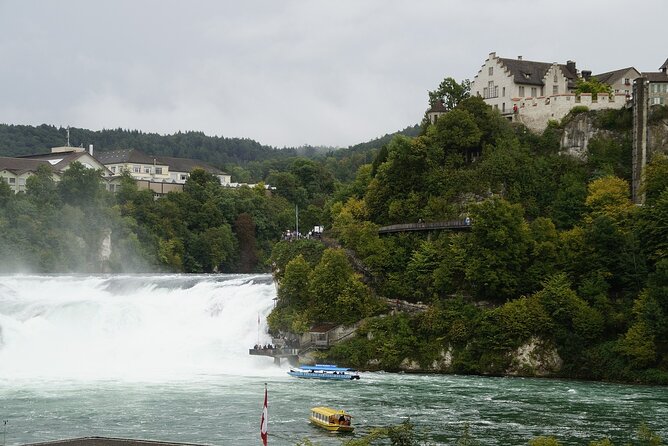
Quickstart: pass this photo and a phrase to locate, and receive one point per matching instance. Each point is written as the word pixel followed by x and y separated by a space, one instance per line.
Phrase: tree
pixel 497 250
pixel 245 230
pixel 80 186
pixel 593 86
pixel 41 187
pixel 455 131
pixel 450 92
pixel 656 178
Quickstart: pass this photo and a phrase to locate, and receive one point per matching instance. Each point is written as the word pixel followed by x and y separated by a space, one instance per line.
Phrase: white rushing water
pixel 132 327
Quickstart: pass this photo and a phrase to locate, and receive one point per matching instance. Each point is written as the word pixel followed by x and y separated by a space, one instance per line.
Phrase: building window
pixel 655 101
pixel 12 180
pixel 504 92
pixel 113 169
pixel 555 89
pixel 627 81
pixel 556 79
pixel 158 170
pixel 184 177
pixel 147 170
pixel 533 92
pixel 521 91
pixel 136 169
pixel 491 71
pixel 503 107
pixel 542 91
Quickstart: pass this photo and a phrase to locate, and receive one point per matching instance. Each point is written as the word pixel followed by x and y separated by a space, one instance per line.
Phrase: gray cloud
pixel 288 72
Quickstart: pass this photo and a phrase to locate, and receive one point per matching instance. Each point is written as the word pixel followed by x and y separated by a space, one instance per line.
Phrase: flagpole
pixel 264 421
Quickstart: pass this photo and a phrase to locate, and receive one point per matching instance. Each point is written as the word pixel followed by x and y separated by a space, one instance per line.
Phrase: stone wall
pixel 535 113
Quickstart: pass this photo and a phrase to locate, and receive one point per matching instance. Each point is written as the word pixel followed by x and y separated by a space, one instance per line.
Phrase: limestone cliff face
pixel 581 129
pixel 577 134
pixel 535 358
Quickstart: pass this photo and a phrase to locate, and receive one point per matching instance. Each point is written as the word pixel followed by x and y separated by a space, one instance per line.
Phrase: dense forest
pixel 558 261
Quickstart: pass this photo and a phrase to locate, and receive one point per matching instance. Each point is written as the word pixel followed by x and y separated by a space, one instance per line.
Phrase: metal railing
pixel 462 225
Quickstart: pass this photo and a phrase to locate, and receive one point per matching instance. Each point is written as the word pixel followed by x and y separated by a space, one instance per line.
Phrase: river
pixel 165 357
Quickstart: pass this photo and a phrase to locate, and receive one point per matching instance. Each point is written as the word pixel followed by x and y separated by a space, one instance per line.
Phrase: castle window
pixel 555 89
pixel 555 77
pixel 491 71
pixel 521 91
pixel 533 92
pixel 504 92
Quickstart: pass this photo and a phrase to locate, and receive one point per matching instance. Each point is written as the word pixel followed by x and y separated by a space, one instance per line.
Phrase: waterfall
pixel 133 327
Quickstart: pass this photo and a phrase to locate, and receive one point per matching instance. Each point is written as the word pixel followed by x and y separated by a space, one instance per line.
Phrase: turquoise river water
pixel 165 357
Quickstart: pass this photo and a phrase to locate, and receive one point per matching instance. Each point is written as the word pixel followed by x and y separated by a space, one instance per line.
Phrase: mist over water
pixel 131 327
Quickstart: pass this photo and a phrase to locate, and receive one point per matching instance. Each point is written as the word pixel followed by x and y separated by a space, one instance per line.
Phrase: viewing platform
pixel 278 353
pixel 455 225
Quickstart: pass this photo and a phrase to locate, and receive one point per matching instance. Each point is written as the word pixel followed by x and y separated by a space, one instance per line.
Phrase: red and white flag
pixel 263 420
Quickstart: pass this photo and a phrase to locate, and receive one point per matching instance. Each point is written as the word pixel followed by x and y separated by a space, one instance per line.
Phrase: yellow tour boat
pixel 331 419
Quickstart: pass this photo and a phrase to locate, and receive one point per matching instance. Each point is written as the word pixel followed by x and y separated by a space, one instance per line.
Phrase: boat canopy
pixel 328 411
pixel 326 368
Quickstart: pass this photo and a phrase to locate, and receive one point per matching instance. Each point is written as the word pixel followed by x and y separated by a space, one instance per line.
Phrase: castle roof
pixel 529 72
pixel 610 76
pixel 656 77
pixel 664 67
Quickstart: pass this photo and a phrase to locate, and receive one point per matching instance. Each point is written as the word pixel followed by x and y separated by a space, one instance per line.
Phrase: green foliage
pixel 497 250
pixel 450 92
pixel 614 119
pixel 593 86
pixel 656 178
pixel 455 131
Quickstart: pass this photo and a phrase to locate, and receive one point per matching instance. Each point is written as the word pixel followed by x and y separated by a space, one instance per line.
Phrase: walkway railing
pixel 456 225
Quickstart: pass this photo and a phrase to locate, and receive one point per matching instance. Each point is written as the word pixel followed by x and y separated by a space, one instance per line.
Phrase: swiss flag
pixel 263 420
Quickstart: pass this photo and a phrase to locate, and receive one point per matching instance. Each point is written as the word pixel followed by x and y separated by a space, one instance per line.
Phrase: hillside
pixel 560 273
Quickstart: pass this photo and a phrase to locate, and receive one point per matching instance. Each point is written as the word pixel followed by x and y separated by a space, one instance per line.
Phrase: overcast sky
pixel 288 72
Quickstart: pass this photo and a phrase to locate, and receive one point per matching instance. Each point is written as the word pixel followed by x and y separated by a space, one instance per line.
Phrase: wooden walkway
pixel 453 225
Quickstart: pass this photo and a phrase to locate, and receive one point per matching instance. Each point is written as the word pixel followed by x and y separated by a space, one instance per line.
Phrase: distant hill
pixel 412 131
pixel 16 140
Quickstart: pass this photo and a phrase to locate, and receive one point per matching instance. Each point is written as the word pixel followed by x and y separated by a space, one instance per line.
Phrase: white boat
pixel 324 371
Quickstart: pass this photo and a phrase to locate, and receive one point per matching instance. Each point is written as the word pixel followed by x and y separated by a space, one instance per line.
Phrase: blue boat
pixel 324 371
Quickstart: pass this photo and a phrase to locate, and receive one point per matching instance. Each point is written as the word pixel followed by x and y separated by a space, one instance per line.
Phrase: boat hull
pixel 331 427
pixel 330 376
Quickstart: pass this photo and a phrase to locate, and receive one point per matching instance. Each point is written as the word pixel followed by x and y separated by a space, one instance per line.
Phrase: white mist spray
pixel 152 327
